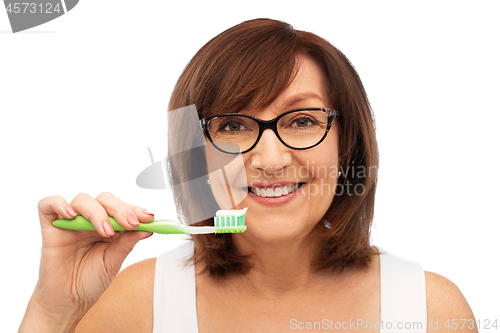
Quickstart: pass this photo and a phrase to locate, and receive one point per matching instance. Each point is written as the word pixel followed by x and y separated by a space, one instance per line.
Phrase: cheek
pixel 324 170
pixel 227 178
pixel 325 159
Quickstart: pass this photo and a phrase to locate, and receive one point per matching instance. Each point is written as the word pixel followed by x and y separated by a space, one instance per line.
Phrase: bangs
pixel 253 69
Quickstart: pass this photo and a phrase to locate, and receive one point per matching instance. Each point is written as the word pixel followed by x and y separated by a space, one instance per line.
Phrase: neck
pixel 279 269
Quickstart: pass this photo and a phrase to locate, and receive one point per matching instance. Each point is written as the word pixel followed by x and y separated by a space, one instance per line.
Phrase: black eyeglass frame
pixel 269 124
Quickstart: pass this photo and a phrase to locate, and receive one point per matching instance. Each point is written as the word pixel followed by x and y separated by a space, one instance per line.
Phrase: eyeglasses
pixel 297 129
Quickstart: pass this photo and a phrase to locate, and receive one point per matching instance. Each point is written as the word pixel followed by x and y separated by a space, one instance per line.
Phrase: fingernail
pixel 108 229
pixel 70 211
pixel 148 213
pixel 132 220
pixel 147 236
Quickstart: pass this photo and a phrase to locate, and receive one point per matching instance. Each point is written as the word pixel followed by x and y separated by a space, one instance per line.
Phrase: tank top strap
pixel 402 295
pixel 174 308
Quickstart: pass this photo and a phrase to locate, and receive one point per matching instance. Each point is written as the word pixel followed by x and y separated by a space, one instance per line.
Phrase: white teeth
pixel 277 192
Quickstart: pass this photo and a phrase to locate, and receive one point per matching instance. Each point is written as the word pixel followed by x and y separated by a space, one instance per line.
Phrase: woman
pixel 305 261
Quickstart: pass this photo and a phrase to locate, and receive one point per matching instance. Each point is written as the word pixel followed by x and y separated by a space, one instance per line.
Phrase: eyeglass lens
pixel 299 129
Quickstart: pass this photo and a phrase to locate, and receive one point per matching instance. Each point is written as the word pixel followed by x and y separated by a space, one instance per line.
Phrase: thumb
pixel 122 245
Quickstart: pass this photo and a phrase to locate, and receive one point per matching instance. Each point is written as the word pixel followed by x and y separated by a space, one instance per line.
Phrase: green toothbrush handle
pixel 81 223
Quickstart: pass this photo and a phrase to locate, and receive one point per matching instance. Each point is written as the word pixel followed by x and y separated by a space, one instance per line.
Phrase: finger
pixel 122 245
pixel 123 213
pixel 142 214
pixel 88 207
pixel 51 208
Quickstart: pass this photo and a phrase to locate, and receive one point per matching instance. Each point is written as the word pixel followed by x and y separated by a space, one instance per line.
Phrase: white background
pixel 83 96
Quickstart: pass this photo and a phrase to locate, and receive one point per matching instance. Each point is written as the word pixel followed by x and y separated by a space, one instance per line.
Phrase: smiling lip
pixel 275 201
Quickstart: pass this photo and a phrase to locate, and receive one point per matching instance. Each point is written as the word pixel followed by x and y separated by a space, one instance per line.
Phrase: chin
pixel 275 233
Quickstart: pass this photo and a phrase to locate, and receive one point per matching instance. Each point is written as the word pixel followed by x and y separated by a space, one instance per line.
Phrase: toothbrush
pixel 226 221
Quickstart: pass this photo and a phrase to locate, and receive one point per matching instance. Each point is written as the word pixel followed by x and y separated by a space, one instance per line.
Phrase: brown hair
pixel 251 64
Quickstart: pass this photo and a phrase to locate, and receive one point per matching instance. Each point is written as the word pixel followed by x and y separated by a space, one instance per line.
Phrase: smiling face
pixel 271 167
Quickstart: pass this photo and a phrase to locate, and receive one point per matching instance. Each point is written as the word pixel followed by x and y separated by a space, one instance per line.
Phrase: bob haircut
pixel 250 65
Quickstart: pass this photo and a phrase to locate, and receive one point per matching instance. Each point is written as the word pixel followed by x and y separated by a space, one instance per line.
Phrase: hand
pixel 77 266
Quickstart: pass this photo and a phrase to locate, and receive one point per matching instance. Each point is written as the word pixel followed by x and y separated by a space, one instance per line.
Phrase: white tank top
pixel 402 290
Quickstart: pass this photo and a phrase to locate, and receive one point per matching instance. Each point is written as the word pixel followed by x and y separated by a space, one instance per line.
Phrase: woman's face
pixel 270 164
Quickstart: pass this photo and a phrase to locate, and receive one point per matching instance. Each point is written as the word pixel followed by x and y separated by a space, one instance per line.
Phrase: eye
pixel 302 122
pixel 233 127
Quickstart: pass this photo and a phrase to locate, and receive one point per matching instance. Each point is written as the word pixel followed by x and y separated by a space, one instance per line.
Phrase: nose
pixel 270 154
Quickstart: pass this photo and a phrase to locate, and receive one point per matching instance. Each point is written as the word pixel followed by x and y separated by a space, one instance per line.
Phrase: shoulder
pixel 127 304
pixel 445 302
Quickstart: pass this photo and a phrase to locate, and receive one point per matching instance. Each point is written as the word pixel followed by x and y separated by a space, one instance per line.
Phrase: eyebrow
pixel 302 97
pixel 294 99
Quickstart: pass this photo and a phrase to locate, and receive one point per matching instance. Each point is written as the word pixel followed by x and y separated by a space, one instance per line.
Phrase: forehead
pixel 307 89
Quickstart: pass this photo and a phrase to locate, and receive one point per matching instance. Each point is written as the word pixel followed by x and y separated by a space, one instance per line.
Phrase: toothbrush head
pixel 230 221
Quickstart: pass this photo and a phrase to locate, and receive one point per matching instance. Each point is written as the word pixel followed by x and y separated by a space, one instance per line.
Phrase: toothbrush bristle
pixel 228 222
